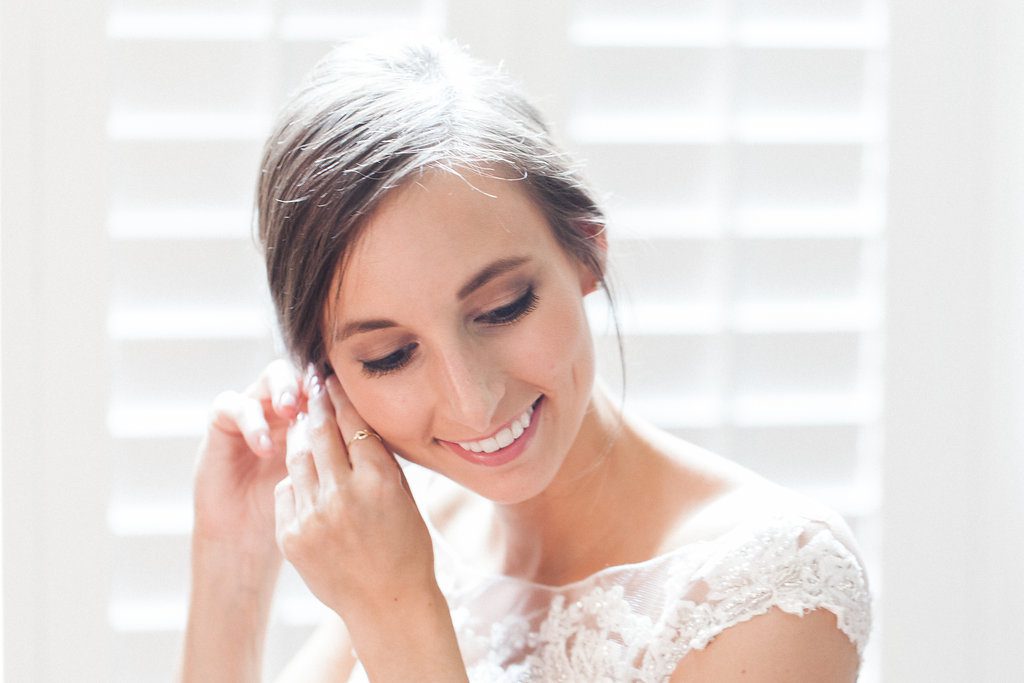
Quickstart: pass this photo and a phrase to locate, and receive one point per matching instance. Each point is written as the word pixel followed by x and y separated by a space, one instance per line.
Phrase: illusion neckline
pixel 743 528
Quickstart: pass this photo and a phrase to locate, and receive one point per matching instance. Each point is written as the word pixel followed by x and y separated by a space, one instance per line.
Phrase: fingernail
pixel 315 387
pixel 265 442
pixel 287 400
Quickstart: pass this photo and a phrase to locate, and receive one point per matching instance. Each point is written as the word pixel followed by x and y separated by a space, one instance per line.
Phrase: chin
pixel 509 493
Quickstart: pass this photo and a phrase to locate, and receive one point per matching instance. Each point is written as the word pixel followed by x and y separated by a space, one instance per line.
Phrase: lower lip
pixel 504 455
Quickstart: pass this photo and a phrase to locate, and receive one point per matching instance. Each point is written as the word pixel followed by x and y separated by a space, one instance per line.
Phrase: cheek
pixel 386 406
pixel 563 344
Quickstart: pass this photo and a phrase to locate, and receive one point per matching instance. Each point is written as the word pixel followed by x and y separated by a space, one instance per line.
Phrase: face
pixel 459 334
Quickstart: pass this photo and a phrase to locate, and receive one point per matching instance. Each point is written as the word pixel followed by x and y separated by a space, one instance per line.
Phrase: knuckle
pixel 279 536
pixel 298 456
pixel 373 480
pixel 319 428
pixel 330 487
pixel 224 410
pixel 291 544
pixel 310 519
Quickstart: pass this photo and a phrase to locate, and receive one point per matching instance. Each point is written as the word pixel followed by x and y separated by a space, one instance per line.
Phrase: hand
pixel 235 560
pixel 241 459
pixel 345 517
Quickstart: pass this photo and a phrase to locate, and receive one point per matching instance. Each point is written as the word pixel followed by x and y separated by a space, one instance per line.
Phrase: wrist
pixel 229 608
pixel 417 624
pixel 240 533
pixel 233 567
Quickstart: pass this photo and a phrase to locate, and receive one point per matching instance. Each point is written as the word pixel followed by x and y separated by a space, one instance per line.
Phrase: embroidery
pixel 634 623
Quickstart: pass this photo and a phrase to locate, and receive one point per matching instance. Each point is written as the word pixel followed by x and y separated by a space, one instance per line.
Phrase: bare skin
pixel 432 358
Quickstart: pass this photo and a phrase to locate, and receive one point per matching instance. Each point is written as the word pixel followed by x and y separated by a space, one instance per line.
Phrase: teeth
pixel 503 438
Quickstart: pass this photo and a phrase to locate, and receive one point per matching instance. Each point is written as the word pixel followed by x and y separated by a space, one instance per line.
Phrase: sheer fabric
pixel 635 622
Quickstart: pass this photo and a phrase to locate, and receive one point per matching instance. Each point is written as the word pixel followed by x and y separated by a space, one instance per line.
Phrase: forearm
pixel 229 606
pixel 410 639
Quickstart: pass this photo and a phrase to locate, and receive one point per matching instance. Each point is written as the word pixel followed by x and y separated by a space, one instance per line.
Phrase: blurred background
pixel 817 221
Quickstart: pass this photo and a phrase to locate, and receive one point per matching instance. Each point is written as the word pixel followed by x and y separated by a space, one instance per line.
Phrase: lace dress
pixel 635 622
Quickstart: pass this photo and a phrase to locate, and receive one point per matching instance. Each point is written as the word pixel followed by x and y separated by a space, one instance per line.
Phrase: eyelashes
pixel 510 313
pixel 503 315
pixel 389 363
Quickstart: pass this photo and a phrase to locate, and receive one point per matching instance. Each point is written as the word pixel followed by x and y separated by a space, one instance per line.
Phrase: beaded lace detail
pixel 635 622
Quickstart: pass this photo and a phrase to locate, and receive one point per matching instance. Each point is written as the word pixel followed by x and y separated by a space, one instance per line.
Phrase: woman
pixel 428 251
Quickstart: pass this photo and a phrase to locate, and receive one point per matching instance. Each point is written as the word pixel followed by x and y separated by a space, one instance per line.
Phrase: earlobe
pixel 589 283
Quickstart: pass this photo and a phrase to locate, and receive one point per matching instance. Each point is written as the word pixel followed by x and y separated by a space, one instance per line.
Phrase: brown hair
pixel 369 117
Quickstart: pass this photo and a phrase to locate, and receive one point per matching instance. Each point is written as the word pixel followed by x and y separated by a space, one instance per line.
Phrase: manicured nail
pixel 287 400
pixel 265 443
pixel 315 387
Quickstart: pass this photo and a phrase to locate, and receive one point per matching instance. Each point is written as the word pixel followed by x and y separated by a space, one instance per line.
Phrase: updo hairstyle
pixel 372 116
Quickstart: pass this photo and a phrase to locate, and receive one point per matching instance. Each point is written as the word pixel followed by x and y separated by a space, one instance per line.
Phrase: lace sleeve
pixel 795 566
pixel 636 622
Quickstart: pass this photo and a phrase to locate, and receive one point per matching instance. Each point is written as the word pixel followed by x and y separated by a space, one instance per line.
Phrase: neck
pixel 588 517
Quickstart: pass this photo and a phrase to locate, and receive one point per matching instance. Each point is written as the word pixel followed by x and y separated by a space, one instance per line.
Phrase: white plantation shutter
pixel 741 146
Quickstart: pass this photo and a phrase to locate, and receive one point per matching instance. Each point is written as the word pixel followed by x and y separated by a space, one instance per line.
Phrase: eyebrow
pixel 486 274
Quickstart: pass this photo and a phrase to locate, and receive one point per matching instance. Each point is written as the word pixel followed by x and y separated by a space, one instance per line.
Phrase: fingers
pixel 235 413
pixel 329 454
pixel 317 459
pixel 253 414
pixel 284 510
pixel 280 382
pixel 369 452
pixel 301 468
pixel 344 412
pixel 315 454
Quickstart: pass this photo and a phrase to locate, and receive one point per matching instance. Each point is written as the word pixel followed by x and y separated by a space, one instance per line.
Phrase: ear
pixel 595 232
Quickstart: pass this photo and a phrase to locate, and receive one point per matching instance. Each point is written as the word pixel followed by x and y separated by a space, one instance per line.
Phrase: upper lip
pixel 495 432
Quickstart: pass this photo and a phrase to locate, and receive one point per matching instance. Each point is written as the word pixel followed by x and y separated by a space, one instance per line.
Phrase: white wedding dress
pixel 635 622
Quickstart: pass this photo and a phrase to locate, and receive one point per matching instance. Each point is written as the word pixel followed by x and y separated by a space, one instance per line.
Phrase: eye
pixel 510 313
pixel 390 363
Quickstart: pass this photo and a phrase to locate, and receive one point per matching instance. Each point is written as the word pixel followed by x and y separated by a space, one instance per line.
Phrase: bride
pixel 428 251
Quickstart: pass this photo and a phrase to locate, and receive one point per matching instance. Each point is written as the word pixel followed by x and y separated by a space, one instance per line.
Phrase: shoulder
pixel 775 646
pixel 756 505
pixel 737 499
pixel 770 563
pixel 780 593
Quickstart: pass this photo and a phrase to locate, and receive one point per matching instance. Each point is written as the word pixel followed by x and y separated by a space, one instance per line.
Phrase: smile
pixel 505 445
pixel 503 438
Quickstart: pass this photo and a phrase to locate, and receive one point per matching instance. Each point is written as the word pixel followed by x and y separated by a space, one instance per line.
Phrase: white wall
pixel 54 353
pixel 954 481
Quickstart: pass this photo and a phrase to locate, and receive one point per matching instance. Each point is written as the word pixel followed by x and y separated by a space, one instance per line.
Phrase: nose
pixel 470 386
